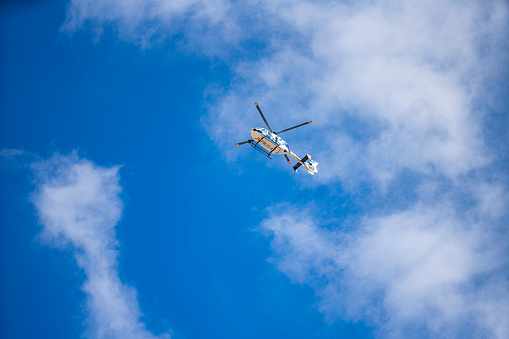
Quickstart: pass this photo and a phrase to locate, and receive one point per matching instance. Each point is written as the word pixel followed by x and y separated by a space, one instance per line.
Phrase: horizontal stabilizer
pixel 306 157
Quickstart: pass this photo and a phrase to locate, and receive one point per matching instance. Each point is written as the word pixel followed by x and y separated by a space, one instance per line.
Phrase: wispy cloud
pixel 424 268
pixel 148 22
pixel 78 205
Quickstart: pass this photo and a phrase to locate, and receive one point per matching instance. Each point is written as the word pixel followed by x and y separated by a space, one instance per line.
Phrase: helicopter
pixel 269 142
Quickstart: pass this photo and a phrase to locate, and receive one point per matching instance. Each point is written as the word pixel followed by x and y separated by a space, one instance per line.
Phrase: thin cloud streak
pixel 78 205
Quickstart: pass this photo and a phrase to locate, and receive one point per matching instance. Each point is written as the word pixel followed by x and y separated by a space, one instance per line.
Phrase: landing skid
pixel 261 149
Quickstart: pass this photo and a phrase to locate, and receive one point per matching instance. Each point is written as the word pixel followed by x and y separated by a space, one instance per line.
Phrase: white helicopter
pixel 268 142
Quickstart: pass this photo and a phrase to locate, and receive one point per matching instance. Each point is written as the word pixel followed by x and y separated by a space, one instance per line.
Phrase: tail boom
pixel 306 161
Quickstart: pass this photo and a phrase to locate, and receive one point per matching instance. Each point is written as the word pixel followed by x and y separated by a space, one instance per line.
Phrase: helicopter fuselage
pixel 273 143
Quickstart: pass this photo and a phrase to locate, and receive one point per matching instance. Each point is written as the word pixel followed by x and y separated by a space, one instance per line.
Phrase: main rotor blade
pixel 293 127
pixel 265 120
pixel 286 156
pixel 243 142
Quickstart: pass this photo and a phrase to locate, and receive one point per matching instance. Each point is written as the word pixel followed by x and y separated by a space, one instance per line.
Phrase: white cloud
pixel 78 205
pixel 425 267
pixel 147 22
pixel 399 81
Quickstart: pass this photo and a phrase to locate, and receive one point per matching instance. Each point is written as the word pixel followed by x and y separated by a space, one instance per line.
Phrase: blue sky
pixel 126 211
